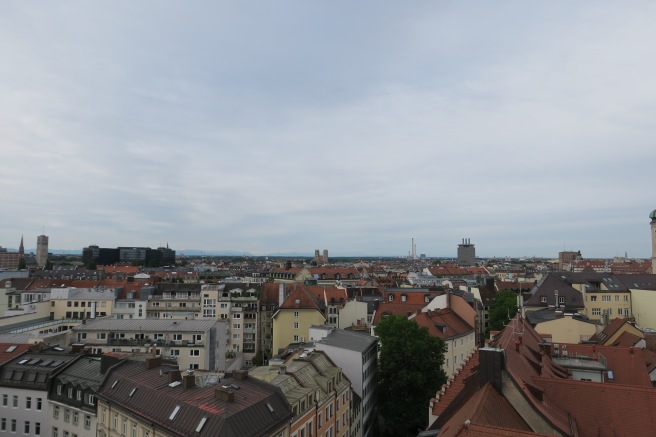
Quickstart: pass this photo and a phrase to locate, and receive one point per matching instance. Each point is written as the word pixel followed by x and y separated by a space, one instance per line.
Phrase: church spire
pixel 21 248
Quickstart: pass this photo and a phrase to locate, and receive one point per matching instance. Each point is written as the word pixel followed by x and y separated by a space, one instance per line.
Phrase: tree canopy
pixel 409 374
pixel 502 309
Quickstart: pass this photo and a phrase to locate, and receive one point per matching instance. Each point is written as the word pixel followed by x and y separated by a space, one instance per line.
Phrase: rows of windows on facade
pixel 28 404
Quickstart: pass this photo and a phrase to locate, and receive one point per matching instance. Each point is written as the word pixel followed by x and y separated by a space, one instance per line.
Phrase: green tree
pixel 21 264
pixel 48 265
pixel 409 374
pixel 502 309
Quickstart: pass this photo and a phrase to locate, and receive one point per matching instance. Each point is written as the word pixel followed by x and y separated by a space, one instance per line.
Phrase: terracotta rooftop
pixel 444 323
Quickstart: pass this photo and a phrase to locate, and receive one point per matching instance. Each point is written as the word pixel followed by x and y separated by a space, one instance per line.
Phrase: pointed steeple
pixel 21 248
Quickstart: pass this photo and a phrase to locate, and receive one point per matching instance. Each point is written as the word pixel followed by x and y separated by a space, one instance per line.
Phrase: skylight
pixel 201 424
pixel 11 348
pixel 175 383
pixel 270 407
pixel 23 361
pixel 132 392
pixel 175 412
pixel 114 384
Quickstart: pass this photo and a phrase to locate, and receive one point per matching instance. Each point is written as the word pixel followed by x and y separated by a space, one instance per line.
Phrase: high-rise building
pixel 652 216
pixel 41 250
pixel 466 253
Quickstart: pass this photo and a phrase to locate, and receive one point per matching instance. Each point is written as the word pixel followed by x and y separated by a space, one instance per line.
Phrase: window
pixel 561 299
pixel 115 423
pixel 296 314
pixel 13 425
pixel 596 311
pixel 55 432
pixel 27 427
pixel 236 325
pixel 76 417
pixel 390 298
pixel 3 424
pixel 15 401
pixel 79 395
pixel 296 338
pixel 5 400
pixel 55 412
pixel 28 403
pixel 39 403
pixel 177 337
pixel 626 297
pixel 543 299
pixel 67 415
pixel 617 298
pixel 236 316
pixel 295 325
pixel 593 298
pixel 194 352
pixel 70 392
pixel 605 298
pixel 134 430
pixel 92 400
pixel 87 421
pixel 124 428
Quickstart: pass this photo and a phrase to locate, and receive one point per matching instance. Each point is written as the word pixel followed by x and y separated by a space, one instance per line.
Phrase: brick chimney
pixel 174 375
pixel 189 380
pixel 224 394
pixel 240 374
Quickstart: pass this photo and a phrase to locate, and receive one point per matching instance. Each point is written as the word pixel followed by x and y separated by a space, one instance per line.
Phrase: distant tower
pixel 41 250
pixel 652 216
pixel 21 249
pixel 466 253
pixel 325 256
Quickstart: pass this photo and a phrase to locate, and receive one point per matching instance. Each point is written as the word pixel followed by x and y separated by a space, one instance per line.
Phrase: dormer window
pixel 543 299
pixel 390 298
pixel 561 299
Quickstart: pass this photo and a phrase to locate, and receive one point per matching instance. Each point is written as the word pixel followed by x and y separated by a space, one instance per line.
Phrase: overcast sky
pixel 290 126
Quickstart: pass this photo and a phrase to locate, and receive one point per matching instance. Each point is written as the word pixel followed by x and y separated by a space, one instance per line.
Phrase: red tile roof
pixel 395 309
pixel 609 331
pixel 629 365
pixel 474 430
pixel 612 410
pixel 487 407
pixel 449 391
pixel 444 323
pixel 8 351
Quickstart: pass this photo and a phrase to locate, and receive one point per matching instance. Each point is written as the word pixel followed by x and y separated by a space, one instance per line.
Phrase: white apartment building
pixel 194 344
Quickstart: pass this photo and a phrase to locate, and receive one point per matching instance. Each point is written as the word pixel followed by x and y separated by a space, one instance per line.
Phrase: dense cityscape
pixel 147 342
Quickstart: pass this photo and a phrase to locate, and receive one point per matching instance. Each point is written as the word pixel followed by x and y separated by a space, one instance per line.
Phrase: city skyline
pixel 281 128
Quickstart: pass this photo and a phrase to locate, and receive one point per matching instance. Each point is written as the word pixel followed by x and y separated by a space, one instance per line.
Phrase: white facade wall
pixel 23 410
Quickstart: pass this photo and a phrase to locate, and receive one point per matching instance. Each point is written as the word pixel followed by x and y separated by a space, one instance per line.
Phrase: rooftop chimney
pixel 491 363
pixel 224 394
pixel 188 380
pixel 175 375
pixel 240 374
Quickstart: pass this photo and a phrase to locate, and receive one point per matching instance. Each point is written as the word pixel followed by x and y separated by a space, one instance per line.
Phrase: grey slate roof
pixel 349 340
pixel 32 370
pixel 146 325
pixel 85 372
pixel 257 409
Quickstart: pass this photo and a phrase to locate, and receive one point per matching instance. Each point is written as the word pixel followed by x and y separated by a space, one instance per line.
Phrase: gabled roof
pixel 444 323
pixel 256 409
pixel 547 288
pixel 486 407
pixel 613 327
pixel 612 410
pixel 300 297
pixel 395 309
pixel 10 350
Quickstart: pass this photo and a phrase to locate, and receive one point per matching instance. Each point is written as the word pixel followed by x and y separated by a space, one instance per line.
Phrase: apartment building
pixel 318 392
pixel 194 344
pixel 238 306
pixel 140 399
pixel 24 391
pixel 356 354
pixel 81 303
pixel 299 310
pixel 72 398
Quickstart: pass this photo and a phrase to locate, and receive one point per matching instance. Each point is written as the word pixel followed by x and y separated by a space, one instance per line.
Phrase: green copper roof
pixel 653 215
